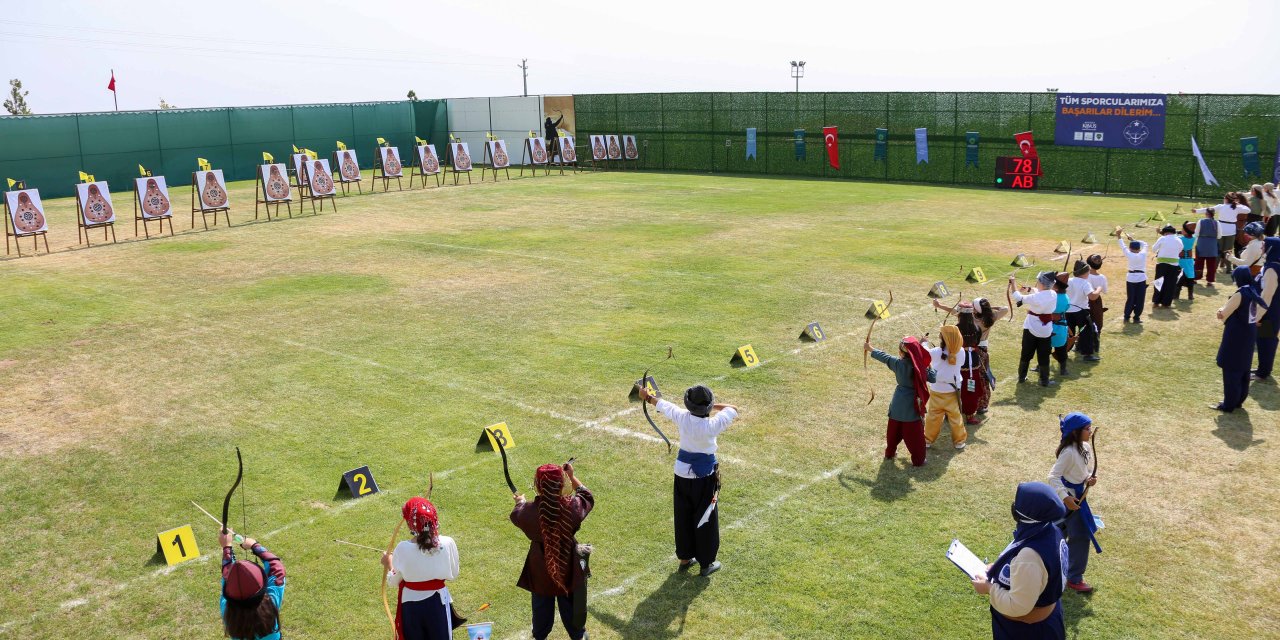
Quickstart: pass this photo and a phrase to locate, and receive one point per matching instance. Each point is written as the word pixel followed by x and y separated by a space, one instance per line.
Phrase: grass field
pixel 389 333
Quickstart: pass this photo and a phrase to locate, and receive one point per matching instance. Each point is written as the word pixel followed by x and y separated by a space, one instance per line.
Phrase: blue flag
pixel 1249 154
pixel 882 144
pixel 799 139
pixel 922 145
pixel 751 143
pixel 971 148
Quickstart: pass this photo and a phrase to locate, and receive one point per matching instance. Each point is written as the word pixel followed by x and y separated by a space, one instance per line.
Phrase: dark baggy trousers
pixel 692 497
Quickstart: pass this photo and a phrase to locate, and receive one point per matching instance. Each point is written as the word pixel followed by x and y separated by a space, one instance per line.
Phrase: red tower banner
pixel 829 137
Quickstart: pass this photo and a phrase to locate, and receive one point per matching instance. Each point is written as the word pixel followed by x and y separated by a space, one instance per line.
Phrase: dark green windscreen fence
pixel 47 151
pixel 687 131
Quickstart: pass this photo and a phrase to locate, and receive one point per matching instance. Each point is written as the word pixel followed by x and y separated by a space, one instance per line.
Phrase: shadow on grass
pixel 1030 395
pixel 1236 430
pixel 653 616
pixel 1266 393
pixel 893 481
pixel 1075 608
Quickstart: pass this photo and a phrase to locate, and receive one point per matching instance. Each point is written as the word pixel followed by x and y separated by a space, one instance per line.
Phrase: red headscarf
pixel 420 514
pixel 557 538
pixel 919 371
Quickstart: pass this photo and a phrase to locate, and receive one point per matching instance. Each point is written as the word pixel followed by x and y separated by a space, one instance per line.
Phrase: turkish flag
pixel 111 86
pixel 1026 144
pixel 833 146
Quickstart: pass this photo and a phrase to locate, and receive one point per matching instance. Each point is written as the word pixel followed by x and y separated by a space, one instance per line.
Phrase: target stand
pixel 82 227
pixel 139 217
pixel 417 171
pixel 343 182
pixel 204 213
pixel 558 151
pixel 452 167
pixel 534 156
pixel 380 174
pixel 11 231
pixel 488 165
pixel 331 196
pixel 259 188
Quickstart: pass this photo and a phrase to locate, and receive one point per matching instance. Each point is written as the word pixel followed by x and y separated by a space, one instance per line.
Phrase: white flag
pixel 1204 168
pixel 706 516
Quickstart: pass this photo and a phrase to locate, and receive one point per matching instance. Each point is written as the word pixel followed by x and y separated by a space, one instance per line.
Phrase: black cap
pixel 698 400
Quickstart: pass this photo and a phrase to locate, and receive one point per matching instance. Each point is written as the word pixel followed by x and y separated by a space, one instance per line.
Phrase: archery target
pixel 391 166
pixel 321 177
pixel 153 197
pixel 615 150
pixel 95 203
pixel 498 154
pixel 538 150
pixel 629 150
pixel 26 213
pixel 212 189
pixel 597 148
pixel 275 182
pixel 298 160
pixel 348 165
pixel 428 161
pixel 567 152
pixel 461 156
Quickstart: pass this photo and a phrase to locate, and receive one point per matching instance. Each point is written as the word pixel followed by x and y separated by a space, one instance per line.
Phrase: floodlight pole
pixel 524 67
pixel 797 72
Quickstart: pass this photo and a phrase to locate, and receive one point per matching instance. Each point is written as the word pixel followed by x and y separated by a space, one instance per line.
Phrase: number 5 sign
pixel 745 356
pixel 494 435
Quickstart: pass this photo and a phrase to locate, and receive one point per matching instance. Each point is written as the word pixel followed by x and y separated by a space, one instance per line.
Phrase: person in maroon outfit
pixel 553 570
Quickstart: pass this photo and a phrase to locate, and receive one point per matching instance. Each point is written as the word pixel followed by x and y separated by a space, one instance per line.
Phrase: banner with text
pixel 1114 120
pixel 751 143
pixel 971 148
pixel 1249 156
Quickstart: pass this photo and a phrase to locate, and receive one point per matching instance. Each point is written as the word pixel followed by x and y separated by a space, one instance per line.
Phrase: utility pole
pixel 524 67
pixel 797 72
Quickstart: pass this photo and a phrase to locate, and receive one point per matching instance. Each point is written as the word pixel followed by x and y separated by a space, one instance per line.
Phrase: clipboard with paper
pixel 964 559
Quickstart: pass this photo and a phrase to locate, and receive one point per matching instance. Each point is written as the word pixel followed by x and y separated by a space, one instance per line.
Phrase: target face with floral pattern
pixel 498 153
pixel 427 159
pixel 348 167
pixel 321 177
pixel 567 152
pixel 26 212
pixel 597 148
pixel 615 150
pixel 275 185
pixel 461 156
pixel 537 150
pixel 629 150
pixel 212 189
pixel 391 166
pixel 298 160
pixel 153 197
pixel 95 203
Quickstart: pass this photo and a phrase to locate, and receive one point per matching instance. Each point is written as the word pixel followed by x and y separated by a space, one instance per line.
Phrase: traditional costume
pixel 1253 254
pixel 1060 341
pixel 1135 279
pixel 1167 250
pixel 910 399
pixel 1207 247
pixel 245 584
pixel 1037 329
pixel 1187 262
pixel 984 341
pixel 944 390
pixel 1028 578
pixel 1269 322
pixel 555 571
pixel 1227 213
pixel 424 608
pixel 974 390
pixel 1068 476
pixel 697 476
pixel 1097 311
pixel 1079 317
pixel 1239 336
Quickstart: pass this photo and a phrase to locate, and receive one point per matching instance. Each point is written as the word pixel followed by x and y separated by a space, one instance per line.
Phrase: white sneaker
pixel 959 445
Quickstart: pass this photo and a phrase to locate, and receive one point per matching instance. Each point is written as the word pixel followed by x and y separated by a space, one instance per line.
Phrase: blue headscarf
pixel 1248 291
pixel 1036 507
pixel 1272 247
pixel 1073 421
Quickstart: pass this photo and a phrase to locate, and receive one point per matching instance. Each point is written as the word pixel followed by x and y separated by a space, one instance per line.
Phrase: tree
pixel 413 95
pixel 17 102
pixel 164 106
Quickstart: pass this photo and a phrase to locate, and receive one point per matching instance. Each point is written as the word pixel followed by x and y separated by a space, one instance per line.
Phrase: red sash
pixel 425 585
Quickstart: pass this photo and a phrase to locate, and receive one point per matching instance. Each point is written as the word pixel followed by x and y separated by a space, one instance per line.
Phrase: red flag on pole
pixel 1026 144
pixel 112 85
pixel 829 137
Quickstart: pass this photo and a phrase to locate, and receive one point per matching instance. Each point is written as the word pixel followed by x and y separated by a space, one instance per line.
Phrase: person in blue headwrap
pixel 1025 583
pixel 1239 336
pixel 1269 323
pixel 1070 477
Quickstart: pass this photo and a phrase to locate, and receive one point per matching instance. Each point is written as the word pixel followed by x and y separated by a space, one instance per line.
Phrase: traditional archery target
pixel 391 166
pixel 629 150
pixel 597 148
pixel 567 152
pixel 321 177
pixel 348 166
pixel 212 189
pixel 538 150
pixel 95 203
pixel 615 150
pixel 26 212
pixel 153 197
pixel 275 184
pixel 428 161
pixel 461 157
pixel 298 160
pixel 498 154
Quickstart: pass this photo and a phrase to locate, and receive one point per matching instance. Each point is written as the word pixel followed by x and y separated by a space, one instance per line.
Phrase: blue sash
pixel 1084 512
pixel 703 464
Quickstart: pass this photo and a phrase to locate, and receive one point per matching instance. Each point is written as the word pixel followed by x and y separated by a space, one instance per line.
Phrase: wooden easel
pixel 453 166
pixel 377 169
pixel 602 161
pixel 260 188
pixel 11 230
pixel 195 186
pixel 342 180
pixel 422 173
pixel 527 154
pixel 321 198
pixel 138 216
pixel 559 143
pixel 489 165
pixel 81 225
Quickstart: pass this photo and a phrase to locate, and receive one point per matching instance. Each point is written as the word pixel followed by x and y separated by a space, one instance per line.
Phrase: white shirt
pixel 1042 302
pixel 1098 281
pixel 1273 203
pixel 1226 215
pixel 1078 290
pixel 1137 262
pixel 1251 255
pixel 697 435
pixel 1027 579
pixel 1074 467
pixel 409 563
pixel 948 377
pixel 1169 246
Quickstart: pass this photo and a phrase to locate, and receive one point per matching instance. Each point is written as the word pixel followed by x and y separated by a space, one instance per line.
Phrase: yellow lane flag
pixel 311 154
pixel 342 146
pixel 11 182
pixel 268 158
pixel 382 142
pixel 532 134
pixel 204 164
pixel 296 149
pixel 84 177
pixel 142 171
pixel 420 141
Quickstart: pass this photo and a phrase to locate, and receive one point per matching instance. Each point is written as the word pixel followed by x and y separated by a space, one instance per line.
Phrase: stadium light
pixel 797 72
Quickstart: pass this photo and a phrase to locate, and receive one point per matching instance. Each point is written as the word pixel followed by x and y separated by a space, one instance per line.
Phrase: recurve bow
pixel 866 374
pixel 644 405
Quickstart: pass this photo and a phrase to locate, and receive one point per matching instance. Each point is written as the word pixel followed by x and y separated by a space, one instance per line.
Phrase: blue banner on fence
pixel 751 143
pixel 799 139
pixel 882 145
pixel 922 145
pixel 1249 155
pixel 971 148
pixel 1115 120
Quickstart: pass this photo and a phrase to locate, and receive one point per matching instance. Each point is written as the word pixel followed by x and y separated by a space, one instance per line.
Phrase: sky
pixel 252 52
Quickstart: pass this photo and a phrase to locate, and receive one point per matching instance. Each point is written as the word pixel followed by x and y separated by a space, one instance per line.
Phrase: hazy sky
pixel 241 52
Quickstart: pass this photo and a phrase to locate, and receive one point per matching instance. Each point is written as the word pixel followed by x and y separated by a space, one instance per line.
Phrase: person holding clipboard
pixel 1026 582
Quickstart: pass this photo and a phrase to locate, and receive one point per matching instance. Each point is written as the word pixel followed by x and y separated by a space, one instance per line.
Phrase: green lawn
pixel 389 333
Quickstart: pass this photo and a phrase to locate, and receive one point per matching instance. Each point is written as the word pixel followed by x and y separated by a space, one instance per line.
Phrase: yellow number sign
pixel 178 545
pixel 500 433
pixel 977 276
pixel 745 356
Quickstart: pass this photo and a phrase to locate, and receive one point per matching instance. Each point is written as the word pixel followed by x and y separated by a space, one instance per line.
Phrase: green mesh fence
pixel 687 132
pixel 48 151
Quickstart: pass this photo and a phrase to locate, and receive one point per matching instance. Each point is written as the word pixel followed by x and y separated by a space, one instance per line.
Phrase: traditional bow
pixel 1066 263
pixel 506 471
pixel 391 545
pixel 865 374
pixel 226 502
pixel 644 406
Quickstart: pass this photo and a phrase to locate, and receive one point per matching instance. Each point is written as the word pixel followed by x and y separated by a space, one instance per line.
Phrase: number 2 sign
pixel 358 482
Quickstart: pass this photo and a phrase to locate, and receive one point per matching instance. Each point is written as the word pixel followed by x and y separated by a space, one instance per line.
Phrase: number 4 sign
pixel 493 436
pixel 358 482
pixel 177 545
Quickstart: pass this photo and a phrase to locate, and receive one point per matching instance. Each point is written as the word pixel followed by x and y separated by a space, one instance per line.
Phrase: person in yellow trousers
pixel 944 391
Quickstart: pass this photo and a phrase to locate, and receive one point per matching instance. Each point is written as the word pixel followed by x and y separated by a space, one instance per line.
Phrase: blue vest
pixel 1052 549
pixel 1207 243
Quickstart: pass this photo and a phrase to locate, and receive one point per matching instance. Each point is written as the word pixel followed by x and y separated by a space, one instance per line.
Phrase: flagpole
pixel 114 96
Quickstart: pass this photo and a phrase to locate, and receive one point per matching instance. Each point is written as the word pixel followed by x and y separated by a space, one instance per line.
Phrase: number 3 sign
pixel 494 435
